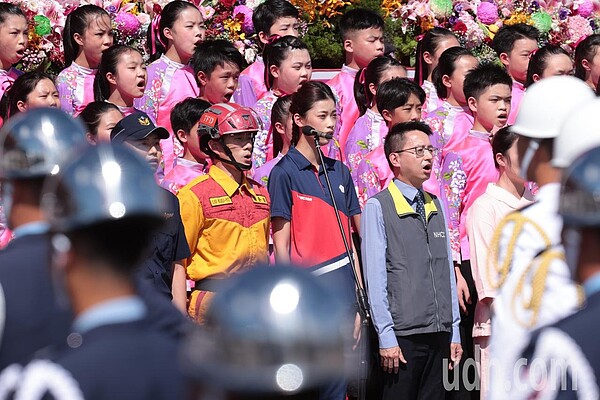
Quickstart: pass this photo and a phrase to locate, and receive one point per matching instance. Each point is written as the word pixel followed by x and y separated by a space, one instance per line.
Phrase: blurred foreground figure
pixel 272 333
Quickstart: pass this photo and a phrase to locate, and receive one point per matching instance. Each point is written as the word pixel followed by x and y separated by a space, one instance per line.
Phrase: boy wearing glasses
pixel 409 274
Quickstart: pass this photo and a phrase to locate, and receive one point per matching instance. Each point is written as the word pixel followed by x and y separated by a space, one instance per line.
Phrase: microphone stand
pixel 361 297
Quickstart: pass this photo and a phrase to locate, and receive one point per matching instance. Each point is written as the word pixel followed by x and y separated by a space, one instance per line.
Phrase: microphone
pixel 310 131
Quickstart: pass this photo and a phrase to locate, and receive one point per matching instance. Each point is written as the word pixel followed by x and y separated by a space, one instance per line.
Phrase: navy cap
pixel 136 126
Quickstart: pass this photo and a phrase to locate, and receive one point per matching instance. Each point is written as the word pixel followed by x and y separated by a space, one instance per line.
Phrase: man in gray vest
pixel 409 272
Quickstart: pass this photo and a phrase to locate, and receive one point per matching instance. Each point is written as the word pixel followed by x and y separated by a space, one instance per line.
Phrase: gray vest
pixel 418 274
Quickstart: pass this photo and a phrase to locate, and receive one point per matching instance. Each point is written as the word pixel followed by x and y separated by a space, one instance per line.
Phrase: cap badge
pixel 144 121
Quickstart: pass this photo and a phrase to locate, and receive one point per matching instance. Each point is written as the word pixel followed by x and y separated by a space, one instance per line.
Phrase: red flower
pixel 460 27
pixel 228 3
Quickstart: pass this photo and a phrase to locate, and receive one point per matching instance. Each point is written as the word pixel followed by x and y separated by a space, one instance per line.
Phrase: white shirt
pixel 513 321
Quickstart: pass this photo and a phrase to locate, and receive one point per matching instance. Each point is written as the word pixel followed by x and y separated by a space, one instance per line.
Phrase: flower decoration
pixel 487 12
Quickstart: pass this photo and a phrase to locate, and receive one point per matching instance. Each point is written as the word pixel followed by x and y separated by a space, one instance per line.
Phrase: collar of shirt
pixel 84 70
pixel 120 310
pixel 508 198
pixel 229 185
pixel 193 165
pixel 171 62
pixel 592 285
pixel 375 116
pixel 408 191
pixel 480 135
pixel 303 163
pixel 518 86
pixel 349 70
pixel 32 228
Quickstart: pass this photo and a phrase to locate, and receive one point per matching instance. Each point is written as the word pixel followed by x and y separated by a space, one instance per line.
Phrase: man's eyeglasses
pixel 419 151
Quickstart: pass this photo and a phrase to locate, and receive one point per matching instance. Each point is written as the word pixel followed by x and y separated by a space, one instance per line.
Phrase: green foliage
pixel 324 45
pixel 404 42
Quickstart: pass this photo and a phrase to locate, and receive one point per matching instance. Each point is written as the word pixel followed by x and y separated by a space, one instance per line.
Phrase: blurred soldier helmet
pixel 274 331
pixel 579 132
pixel 33 143
pixel 547 103
pixel 100 184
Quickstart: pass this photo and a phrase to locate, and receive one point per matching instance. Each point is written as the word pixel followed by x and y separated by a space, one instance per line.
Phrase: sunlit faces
pixel 13 40
pixel 444 44
pixel 130 78
pixel 187 32
pixel 44 94
pixel 414 170
pixel 108 120
pixel 592 67
pixel 240 144
pixel 517 60
pixel 491 108
pixel 455 82
pixel 322 116
pixel 285 26
pixel 219 85
pixel 149 148
pixel 365 45
pixel 410 111
pixel 293 71
pixel 95 39
pixel 556 65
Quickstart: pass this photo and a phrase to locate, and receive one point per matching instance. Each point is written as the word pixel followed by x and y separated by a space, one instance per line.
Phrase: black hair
pixel 359 19
pixel 267 13
pixel 505 38
pixel 539 61
pixel 447 66
pixel 108 63
pixel 78 22
pixel 93 112
pixel 371 75
pixel 429 43
pixel 186 114
pixel 7 9
pixel 502 142
pixel 396 92
pixel 213 53
pixel 305 98
pixel 483 77
pixel 586 50
pixel 275 54
pixel 168 16
pixel 19 91
pixel 279 113
pixel 395 137
pixel 119 245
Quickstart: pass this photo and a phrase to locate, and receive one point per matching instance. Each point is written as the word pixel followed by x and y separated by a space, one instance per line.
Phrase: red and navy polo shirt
pixel 299 194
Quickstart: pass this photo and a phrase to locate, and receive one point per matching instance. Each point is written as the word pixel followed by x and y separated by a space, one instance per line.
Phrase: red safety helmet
pixel 226 118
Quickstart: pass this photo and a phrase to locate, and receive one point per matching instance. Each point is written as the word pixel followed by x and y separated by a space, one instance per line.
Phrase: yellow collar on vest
pixel 402 206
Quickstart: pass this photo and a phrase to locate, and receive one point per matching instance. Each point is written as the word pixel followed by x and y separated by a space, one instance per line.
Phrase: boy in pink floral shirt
pixel 514 45
pixel 273 17
pixel 362 35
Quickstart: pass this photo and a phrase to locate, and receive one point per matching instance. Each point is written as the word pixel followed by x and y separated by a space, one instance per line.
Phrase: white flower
pixel 250 55
pixel 252 4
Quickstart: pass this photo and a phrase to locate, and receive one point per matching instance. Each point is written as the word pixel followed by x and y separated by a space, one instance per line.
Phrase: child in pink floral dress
pixel 87 34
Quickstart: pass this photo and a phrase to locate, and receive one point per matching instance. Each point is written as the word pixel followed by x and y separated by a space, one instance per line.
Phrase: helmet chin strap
pixel 532 147
pixel 231 160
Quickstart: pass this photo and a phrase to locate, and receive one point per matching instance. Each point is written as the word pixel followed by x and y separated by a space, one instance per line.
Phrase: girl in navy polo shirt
pixel 305 228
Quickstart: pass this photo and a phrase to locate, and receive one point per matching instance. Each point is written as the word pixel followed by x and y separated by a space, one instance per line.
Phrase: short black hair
pixel 479 79
pixel 396 136
pixel 505 38
pixel 266 14
pixel 396 92
pixel 213 53
pixel 186 113
pixel 359 19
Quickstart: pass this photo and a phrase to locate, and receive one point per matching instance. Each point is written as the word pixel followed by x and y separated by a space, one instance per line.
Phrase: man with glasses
pixel 409 272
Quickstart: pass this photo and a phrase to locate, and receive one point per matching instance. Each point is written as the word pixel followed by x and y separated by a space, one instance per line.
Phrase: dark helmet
pixel 272 331
pixel 33 143
pixel 580 197
pixel 99 184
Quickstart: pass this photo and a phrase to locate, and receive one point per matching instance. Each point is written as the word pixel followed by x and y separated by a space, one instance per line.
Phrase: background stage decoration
pixel 475 22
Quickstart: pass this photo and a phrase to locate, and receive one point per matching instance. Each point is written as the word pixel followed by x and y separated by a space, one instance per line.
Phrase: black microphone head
pixel 308 130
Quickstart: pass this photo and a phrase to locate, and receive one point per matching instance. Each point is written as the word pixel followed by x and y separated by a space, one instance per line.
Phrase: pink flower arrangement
pixel 127 23
pixel 247 14
pixel 487 12
pixel 578 27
